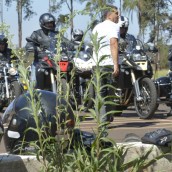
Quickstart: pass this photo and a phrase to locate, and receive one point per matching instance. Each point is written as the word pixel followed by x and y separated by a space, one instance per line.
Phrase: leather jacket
pixel 6 55
pixel 127 43
pixel 42 41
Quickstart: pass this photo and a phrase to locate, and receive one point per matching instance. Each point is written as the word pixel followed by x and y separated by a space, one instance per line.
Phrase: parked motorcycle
pixel 134 85
pixel 164 90
pixel 20 130
pixel 10 86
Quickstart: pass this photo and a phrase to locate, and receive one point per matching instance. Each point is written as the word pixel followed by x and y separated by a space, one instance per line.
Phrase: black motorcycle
pixel 164 90
pixel 134 85
pixel 46 68
pixel 20 130
pixel 10 85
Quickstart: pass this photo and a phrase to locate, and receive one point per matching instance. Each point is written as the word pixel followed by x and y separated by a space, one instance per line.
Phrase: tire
pixel 15 89
pixel 91 94
pixel 146 107
pixel 64 86
pixel 120 109
pixel 70 98
pixel 1 108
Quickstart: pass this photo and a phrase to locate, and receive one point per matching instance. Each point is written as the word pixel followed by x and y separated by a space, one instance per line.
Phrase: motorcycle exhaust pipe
pixel 136 87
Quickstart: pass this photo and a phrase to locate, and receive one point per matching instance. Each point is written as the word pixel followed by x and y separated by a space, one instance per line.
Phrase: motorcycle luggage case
pixel 163 85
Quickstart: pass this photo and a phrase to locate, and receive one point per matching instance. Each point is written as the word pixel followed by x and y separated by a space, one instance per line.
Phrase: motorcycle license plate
pixel 63 66
pixel 142 65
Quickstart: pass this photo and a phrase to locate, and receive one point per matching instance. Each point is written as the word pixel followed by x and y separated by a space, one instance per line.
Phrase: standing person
pixel 40 40
pixel 127 41
pixel 108 34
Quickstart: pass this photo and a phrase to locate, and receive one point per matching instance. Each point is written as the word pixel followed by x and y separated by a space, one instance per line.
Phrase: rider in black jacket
pixel 40 40
pixel 5 52
pixel 127 41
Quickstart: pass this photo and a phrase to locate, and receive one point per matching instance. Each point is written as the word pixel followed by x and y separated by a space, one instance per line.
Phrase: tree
pixel 152 15
pixel 22 5
pixel 58 6
pixel 91 5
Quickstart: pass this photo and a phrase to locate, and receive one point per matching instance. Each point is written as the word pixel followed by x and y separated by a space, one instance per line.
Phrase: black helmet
pixel 46 18
pixel 77 35
pixel 123 22
pixel 3 39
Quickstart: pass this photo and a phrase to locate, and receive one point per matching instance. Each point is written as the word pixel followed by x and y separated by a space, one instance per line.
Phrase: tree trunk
pixel 72 26
pixel 19 11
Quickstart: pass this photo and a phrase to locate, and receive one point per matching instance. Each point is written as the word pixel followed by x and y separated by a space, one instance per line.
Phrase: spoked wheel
pixel 146 107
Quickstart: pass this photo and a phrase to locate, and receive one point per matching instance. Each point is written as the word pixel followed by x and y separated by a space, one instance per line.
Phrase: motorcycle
pixel 134 85
pixel 164 90
pixel 83 70
pixel 46 68
pixel 20 129
pixel 20 124
pixel 10 85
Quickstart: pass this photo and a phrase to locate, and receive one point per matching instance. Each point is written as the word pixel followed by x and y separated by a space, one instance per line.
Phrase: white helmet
pixel 123 22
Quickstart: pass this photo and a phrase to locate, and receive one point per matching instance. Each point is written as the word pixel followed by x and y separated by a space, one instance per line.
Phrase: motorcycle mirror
pixel 28 39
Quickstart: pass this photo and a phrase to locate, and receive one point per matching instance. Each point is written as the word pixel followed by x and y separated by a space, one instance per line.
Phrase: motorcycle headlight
pixel 64 58
pixel 12 71
pixel 138 57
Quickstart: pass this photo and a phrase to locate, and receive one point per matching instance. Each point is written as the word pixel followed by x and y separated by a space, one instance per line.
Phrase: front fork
pixel 136 86
pixel 6 83
pixel 53 83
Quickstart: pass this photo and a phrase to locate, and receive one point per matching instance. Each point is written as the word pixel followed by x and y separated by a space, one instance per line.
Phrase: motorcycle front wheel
pixel 15 89
pixel 146 107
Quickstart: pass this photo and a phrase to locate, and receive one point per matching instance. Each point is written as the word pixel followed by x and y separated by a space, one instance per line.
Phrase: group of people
pixel 113 29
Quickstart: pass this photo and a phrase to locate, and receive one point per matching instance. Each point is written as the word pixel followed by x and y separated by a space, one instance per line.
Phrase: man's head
pixel 111 13
pixel 47 21
pixel 3 43
pixel 123 23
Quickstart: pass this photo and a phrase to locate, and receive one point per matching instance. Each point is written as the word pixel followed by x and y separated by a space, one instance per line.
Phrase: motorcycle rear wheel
pixel 88 103
pixel 146 107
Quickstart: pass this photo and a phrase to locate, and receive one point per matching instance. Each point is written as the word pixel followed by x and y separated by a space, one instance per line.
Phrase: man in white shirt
pixel 107 33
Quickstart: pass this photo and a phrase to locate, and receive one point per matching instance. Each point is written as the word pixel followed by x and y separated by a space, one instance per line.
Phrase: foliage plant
pixel 63 154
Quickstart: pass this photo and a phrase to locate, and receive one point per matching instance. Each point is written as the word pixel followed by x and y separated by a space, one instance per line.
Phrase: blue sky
pixel 40 7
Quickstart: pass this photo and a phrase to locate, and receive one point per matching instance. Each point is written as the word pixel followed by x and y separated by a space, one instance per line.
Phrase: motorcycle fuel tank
pixel 19 117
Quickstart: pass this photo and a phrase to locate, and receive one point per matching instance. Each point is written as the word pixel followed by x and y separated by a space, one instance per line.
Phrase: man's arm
pixel 114 53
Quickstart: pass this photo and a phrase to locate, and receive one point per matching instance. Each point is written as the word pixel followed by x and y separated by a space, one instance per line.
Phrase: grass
pixel 159 73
